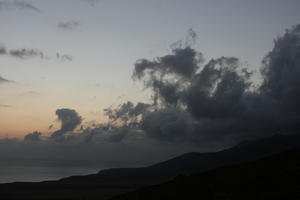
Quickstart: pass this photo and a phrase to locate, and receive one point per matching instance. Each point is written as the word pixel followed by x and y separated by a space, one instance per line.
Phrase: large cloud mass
pixel 217 98
pixel 196 102
pixel 195 105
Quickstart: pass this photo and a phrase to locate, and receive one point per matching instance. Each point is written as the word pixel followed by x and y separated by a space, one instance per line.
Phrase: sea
pixel 15 171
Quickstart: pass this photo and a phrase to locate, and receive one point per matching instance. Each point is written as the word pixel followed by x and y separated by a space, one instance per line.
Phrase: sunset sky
pixel 83 51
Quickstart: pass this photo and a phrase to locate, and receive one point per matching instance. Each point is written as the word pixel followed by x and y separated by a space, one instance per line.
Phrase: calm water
pixel 11 171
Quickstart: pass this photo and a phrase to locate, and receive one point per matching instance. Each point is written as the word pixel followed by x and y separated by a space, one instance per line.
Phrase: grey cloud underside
pixel 18 5
pixel 204 103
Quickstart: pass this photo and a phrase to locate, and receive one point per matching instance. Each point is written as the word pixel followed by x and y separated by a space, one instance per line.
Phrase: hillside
pixel 273 177
pixel 110 182
pixel 193 162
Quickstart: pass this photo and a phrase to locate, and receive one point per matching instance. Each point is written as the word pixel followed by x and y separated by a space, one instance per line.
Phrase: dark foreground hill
pixel 273 177
pixel 108 183
pixel 193 162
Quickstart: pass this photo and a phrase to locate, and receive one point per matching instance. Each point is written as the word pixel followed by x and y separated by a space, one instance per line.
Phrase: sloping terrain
pixel 110 182
pixel 273 177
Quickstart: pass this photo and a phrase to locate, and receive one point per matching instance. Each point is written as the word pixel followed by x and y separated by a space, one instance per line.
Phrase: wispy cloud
pixel 2 50
pixel 18 5
pixel 63 57
pixel 5 106
pixel 91 2
pixel 29 94
pixel 3 80
pixel 27 53
pixel 68 25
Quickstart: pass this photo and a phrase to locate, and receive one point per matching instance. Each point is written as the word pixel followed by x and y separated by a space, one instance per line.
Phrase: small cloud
pixel 29 94
pixel 26 53
pixel 18 5
pixel 3 80
pixel 68 25
pixel 91 2
pixel 33 137
pixel 63 57
pixel 69 119
pixel 5 106
pixel 50 127
pixel 2 50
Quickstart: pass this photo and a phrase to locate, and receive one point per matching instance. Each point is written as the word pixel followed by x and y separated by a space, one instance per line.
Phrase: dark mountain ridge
pixel 110 182
pixel 272 177
pixel 195 162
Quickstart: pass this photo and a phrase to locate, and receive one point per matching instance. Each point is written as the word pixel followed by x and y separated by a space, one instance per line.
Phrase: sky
pixel 107 83
pixel 104 39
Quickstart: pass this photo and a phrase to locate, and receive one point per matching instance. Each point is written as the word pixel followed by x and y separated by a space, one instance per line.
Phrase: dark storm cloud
pixel 68 25
pixel 127 112
pixel 196 102
pixel 213 99
pixel 281 71
pixel 19 5
pixel 216 101
pixel 124 122
pixel 169 74
pixel 183 62
pixel 69 119
pixel 215 87
pixel 101 132
pixel 169 124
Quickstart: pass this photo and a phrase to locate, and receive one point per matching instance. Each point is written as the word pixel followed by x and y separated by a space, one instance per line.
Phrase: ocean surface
pixel 12 171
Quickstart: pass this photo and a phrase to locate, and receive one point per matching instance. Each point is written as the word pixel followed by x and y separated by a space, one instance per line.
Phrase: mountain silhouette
pixel 110 182
pixel 272 177
pixel 194 162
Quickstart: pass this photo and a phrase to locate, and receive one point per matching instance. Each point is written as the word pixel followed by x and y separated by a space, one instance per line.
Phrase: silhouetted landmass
pixel 193 162
pixel 273 177
pixel 110 182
